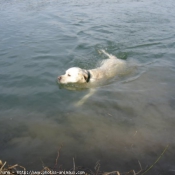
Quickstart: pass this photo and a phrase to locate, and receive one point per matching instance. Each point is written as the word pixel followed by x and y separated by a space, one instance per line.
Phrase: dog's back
pixel 108 68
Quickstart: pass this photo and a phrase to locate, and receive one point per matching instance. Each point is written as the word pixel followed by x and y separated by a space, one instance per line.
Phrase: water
pixel 130 119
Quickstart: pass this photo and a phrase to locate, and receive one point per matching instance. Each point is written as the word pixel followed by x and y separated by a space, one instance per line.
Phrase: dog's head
pixel 74 75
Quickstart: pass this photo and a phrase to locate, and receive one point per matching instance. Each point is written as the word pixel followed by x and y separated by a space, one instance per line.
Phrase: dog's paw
pixel 79 103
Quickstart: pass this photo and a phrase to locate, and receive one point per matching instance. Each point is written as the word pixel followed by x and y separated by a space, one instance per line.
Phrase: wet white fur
pixel 108 69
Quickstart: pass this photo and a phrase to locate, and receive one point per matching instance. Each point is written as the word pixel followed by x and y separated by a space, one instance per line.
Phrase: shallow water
pixel 129 119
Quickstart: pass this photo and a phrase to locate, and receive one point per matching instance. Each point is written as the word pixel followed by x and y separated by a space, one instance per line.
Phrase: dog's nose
pixel 59 78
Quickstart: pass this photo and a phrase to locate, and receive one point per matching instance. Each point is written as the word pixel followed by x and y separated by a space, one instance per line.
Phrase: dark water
pixel 130 119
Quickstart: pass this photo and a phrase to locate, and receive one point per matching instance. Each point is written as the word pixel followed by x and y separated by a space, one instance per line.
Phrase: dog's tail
pixel 107 54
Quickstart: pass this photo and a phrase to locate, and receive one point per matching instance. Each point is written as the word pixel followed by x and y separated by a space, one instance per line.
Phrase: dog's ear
pixel 85 75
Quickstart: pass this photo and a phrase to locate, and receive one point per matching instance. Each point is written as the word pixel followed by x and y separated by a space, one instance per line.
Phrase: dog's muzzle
pixel 59 78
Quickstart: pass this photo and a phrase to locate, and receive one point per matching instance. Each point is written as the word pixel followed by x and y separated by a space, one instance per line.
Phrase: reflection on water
pixel 127 119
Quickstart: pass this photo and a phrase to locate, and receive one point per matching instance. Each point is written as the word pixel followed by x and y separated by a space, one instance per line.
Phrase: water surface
pixel 130 119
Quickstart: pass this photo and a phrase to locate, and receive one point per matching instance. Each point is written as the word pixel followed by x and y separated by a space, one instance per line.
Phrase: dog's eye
pixel 69 75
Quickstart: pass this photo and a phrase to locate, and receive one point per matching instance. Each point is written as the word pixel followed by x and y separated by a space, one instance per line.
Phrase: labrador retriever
pixel 108 69
pixel 92 78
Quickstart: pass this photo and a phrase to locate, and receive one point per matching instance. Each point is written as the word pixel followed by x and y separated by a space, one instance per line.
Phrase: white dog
pixel 108 69
pixel 92 78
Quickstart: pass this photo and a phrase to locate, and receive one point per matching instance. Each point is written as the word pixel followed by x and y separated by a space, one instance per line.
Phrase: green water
pixel 130 119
